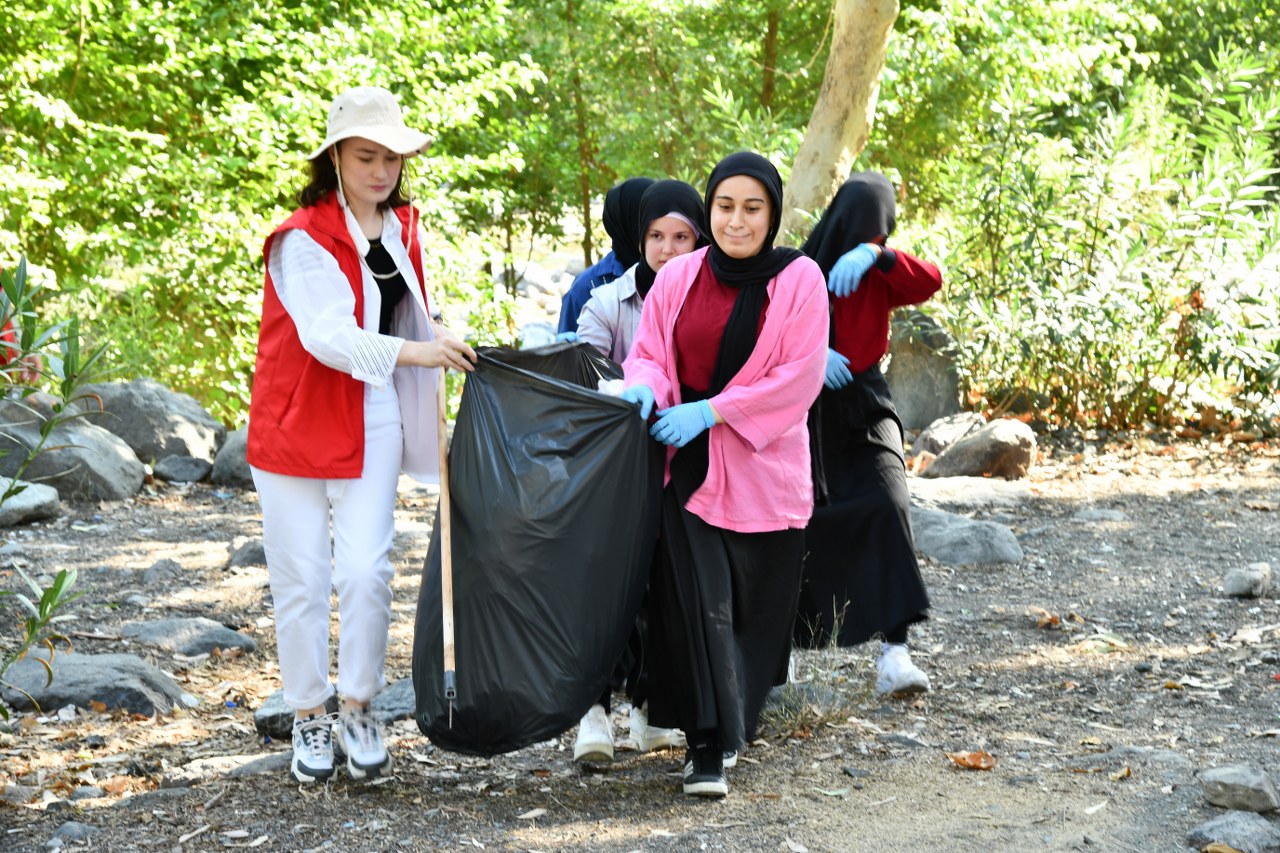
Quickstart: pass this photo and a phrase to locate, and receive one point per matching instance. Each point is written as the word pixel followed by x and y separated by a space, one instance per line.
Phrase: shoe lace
pixel 316 732
pixel 360 724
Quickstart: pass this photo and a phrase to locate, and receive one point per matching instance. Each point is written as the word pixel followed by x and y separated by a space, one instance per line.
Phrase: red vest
pixel 306 419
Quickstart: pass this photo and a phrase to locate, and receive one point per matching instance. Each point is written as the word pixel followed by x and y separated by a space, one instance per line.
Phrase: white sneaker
pixel 649 738
pixel 361 737
pixel 896 674
pixel 595 736
pixel 313 748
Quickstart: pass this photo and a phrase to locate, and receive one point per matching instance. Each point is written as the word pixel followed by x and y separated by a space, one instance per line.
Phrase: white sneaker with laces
pixel 313 748
pixel 361 739
pixel 595 736
pixel 649 738
pixel 896 674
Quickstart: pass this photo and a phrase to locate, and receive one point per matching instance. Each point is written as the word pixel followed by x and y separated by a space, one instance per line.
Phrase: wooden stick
pixel 446 549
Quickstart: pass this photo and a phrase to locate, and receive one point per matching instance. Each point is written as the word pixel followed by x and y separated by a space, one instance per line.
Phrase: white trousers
pixel 304 564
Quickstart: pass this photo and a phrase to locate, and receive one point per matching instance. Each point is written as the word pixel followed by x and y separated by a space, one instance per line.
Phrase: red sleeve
pixel 911 280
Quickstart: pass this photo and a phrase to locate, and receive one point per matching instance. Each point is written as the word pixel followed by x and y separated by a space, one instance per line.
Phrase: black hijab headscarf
pixel 660 199
pixel 622 218
pixel 749 275
pixel 862 211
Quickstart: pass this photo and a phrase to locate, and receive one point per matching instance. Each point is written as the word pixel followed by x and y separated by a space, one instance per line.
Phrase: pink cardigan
pixel 758 476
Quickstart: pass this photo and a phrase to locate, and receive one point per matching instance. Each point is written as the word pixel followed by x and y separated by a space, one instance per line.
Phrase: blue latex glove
pixel 681 424
pixel 567 337
pixel 847 273
pixel 838 373
pixel 641 395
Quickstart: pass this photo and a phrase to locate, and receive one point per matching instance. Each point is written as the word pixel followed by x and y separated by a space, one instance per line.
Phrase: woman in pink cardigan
pixel 731 350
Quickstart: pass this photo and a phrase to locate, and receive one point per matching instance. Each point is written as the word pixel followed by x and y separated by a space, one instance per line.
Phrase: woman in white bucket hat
pixel 344 395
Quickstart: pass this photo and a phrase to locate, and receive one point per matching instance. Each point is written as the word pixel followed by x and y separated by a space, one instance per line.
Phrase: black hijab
pixel 862 211
pixel 622 218
pixel 660 199
pixel 749 275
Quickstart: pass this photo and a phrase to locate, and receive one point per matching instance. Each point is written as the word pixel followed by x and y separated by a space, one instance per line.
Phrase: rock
pixel 70 831
pixel 786 697
pixel 274 717
pixel 944 432
pixel 921 373
pixel 969 492
pixel 1003 448
pixel 182 469
pixel 34 502
pixel 1250 582
pixel 116 680
pixel 535 280
pixel 1099 515
pixel 396 702
pixel 18 794
pixel 162 573
pixel 1239 786
pixel 250 553
pixel 230 468
pixel 956 540
pixel 1245 831
pixel 82 461
pixel 155 421
pixel 224 766
pixel 535 335
pixel 190 636
pixel 87 792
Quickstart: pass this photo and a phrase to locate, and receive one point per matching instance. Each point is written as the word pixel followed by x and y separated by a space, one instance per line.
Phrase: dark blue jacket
pixel 601 272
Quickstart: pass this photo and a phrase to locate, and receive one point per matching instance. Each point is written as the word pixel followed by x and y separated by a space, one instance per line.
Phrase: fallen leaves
pixel 532 814
pixel 977 760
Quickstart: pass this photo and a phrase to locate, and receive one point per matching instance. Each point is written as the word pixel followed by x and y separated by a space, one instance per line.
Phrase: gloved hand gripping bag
pixel 555 498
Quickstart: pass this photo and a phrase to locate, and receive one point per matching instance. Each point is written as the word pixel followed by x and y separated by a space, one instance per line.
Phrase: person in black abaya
pixel 861 576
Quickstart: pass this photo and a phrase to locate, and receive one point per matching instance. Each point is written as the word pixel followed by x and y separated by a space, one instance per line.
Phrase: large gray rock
pixel 188 636
pixel 969 493
pixel 1252 581
pixel 944 432
pixel 956 540
pixel 115 680
pixel 231 468
pixel 155 421
pixel 1239 786
pixel 182 469
pixel 1003 448
pixel 34 502
pixel 1245 831
pixel 82 461
pixel 396 702
pixel 224 767
pixel 921 374
pixel 274 717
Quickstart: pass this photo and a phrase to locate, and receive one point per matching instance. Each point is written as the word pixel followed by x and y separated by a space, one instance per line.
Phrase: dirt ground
pixel 1099 674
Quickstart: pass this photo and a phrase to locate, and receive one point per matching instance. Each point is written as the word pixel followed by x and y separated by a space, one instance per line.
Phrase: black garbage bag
pixel 555 495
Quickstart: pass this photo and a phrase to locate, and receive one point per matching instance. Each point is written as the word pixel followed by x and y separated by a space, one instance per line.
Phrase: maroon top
pixel 860 321
pixel 700 328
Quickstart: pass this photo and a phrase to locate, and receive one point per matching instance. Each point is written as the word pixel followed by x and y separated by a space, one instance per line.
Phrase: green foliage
pixel 1117 280
pixel 1053 155
pixel 42 609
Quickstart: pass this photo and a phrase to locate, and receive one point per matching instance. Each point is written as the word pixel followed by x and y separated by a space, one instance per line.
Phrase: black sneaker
pixel 704 772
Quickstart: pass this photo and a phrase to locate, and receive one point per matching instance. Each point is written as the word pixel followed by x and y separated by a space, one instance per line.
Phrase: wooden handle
pixel 446 530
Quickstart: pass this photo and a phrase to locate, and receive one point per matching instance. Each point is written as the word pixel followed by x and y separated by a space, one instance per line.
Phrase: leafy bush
pixel 1117 280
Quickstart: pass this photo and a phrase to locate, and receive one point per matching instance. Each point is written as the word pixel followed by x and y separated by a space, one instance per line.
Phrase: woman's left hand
pixel 846 276
pixel 681 424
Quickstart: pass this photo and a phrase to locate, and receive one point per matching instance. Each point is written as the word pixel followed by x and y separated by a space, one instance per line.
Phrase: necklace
pixel 380 276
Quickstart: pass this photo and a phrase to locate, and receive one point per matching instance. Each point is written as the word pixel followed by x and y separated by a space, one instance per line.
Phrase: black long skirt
pixel 722 604
pixel 861 577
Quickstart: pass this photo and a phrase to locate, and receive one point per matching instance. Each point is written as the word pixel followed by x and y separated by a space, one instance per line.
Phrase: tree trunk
pixel 584 139
pixel 841 120
pixel 770 58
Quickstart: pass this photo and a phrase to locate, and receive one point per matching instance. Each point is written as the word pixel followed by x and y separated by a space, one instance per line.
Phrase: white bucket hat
pixel 371 112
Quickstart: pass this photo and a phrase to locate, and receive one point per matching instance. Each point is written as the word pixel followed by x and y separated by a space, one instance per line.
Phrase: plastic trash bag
pixel 555 498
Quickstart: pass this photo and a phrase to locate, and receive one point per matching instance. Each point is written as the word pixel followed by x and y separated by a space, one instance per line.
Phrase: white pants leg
pixel 303 566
